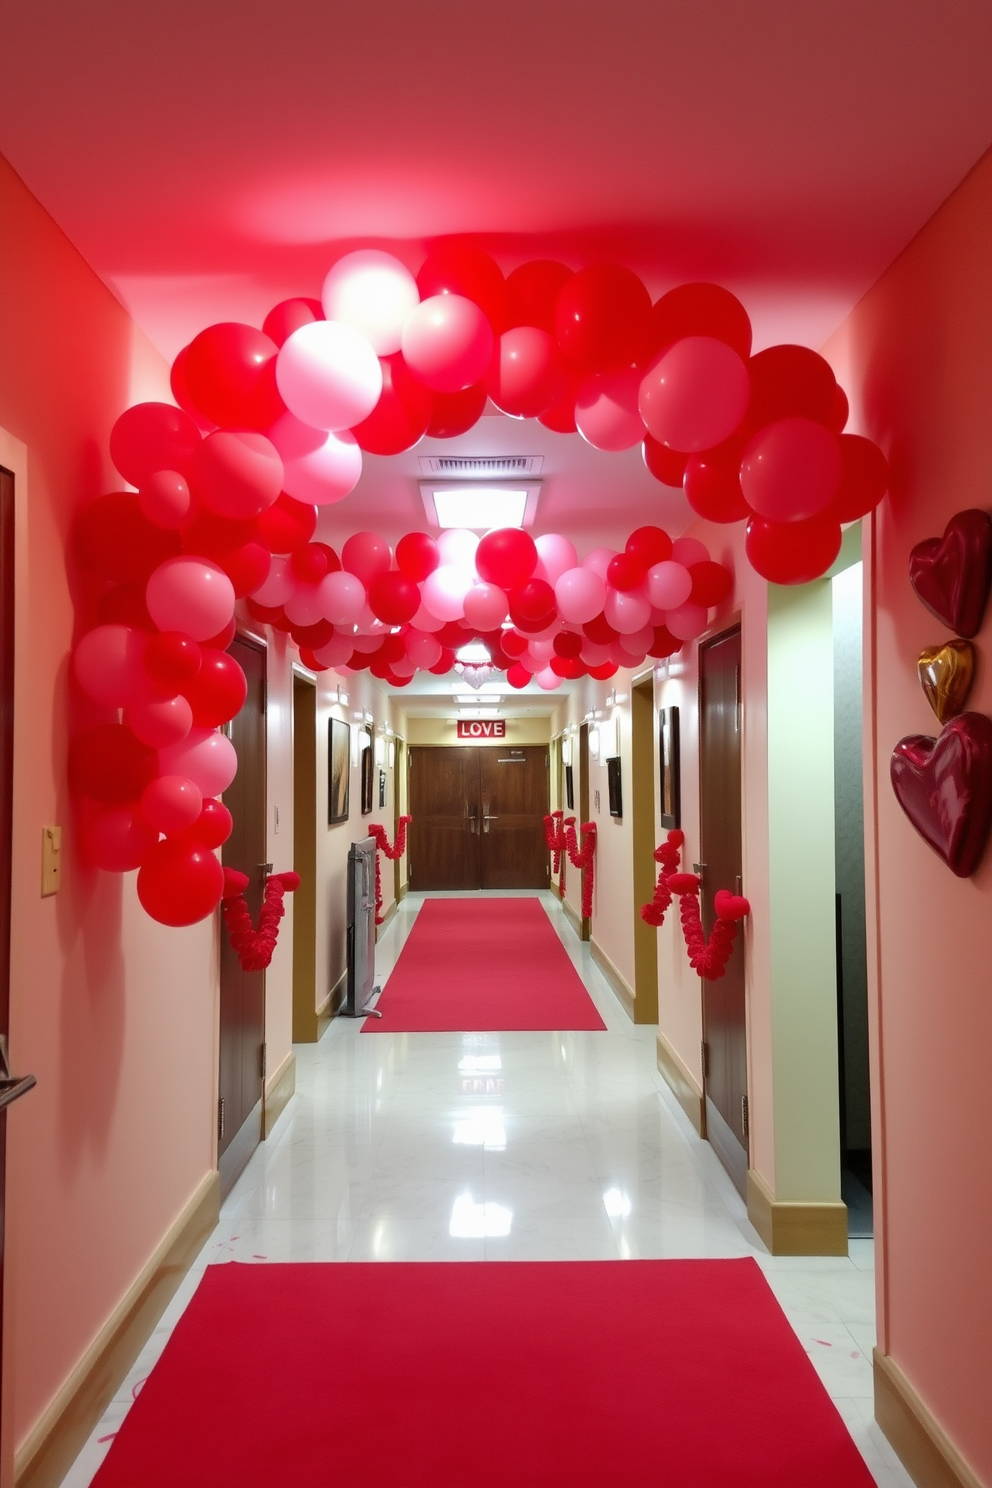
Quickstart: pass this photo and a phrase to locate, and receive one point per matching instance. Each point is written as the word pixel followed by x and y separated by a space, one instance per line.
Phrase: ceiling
pixel 211 157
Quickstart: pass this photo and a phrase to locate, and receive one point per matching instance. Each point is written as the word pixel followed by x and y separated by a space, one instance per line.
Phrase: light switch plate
pixel 51 860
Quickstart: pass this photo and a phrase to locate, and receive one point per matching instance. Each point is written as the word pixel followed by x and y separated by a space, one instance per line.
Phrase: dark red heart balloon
pixel 952 574
pixel 730 906
pixel 944 785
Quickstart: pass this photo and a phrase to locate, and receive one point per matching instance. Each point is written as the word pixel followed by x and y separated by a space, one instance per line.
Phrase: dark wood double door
pixel 478 817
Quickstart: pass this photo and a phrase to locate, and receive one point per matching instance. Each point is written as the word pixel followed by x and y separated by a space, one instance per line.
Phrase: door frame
pixel 306 1024
pixel 643 778
pixel 585 921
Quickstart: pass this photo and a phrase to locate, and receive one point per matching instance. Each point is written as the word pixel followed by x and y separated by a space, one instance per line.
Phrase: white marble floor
pixel 512 1146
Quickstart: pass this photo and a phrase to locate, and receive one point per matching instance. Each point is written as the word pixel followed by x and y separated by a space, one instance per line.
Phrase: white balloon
pixel 328 375
pixel 342 597
pixel 457 546
pixel 320 467
pixel 444 591
pixel 373 292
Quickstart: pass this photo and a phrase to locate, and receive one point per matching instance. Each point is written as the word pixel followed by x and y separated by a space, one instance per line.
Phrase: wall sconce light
pixel 380 750
pixel 392 753
pixel 611 698
pixel 337 695
pixel 594 743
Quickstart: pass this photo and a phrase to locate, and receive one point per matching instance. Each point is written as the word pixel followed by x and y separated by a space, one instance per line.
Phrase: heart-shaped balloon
pixel 944 785
pixel 730 906
pixel 946 673
pixel 952 574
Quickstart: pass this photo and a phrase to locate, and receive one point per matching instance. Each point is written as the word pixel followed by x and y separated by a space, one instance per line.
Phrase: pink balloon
pixel 318 468
pixel 403 668
pixel 695 395
pixel 541 652
pixel 367 643
pixel 237 474
pixel 555 556
pixel 337 650
pixel 594 655
pixel 373 292
pixel 171 802
pixel 791 470
pixel 279 584
pixel 457 546
pixel 606 410
pixel 636 643
pixel 342 597
pixel 162 722
pixel 580 593
pixel 424 619
pixel 190 595
pixel 599 560
pixel 687 622
pixel 486 606
pixel 206 757
pixel 444 591
pixel 627 611
pixel 548 680
pixel 305 606
pixel 689 550
pixel 367 555
pixel 669 585
pixel 164 499
pixel 447 343
pixel 109 663
pixel 328 375
pixel 116 839
pixel 423 649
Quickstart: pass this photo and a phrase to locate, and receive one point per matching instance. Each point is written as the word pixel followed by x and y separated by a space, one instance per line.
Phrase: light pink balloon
pixel 205 757
pixel 328 374
pixel 668 585
pixel 116 839
pixel 164 499
pixel 237 473
pixel 368 623
pixel 109 663
pixel 366 643
pixel 555 556
pixel 305 606
pixel 606 411
pixel 404 667
pixel 447 343
pixel 627 611
pixel 423 649
pixel 548 680
pixel 637 643
pixel 444 591
pixel 687 622
pixel 457 545
pixel 425 620
pixel 625 658
pixel 161 722
pixel 791 470
pixel 541 652
pixel 695 395
pixel 373 292
pixel 192 595
pixel 342 597
pixel 486 606
pixel 689 550
pixel 580 593
pixel 599 560
pixel 549 632
pixel 337 650
pixel 279 584
pixel 318 468
pixel 595 655
pixel 171 802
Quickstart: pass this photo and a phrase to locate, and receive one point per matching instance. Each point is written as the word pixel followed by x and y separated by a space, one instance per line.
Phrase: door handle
pixel 12 1087
pixel 486 820
pixel 473 820
pixel 699 869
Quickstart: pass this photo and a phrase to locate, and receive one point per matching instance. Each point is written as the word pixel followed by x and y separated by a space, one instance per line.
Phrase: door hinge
pixel 263 1052
pixel 745 1119
pixel 220 1119
pixel 703 1060
pixel 265 696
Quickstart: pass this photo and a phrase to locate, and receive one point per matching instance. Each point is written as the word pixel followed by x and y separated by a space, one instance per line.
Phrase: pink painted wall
pixel 916 355
pixel 114 1014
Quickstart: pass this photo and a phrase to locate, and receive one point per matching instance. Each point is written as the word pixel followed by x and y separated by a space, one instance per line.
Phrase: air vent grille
pixel 481 467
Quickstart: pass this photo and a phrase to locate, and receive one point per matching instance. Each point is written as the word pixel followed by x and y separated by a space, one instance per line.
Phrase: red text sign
pixel 478 728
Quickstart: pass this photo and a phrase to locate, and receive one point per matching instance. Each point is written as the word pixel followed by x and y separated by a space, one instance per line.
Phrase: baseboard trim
pixel 681 1082
pixel 58 1436
pixel 279 1090
pixel 576 922
pixel 555 889
pixel 332 1004
pixel 619 985
pixel 921 1444
pixel 404 890
pixel 387 917
pixel 791 1227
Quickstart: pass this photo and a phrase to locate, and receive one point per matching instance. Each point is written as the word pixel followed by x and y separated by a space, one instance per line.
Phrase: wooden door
pixel 444 803
pixel 6 823
pixel 513 796
pixel 305 1024
pixel 724 1030
pixel 242 993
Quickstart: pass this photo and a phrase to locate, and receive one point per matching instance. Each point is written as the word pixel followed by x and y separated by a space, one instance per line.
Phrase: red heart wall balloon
pixel 952 574
pixel 944 785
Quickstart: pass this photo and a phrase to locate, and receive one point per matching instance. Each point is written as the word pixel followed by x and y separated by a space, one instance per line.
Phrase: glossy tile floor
pixel 512 1146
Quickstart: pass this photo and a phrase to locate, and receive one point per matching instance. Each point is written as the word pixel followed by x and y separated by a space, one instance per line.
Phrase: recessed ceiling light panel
pixel 480 505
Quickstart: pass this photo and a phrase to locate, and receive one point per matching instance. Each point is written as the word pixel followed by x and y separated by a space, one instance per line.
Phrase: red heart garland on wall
pixel 944 785
pixel 952 574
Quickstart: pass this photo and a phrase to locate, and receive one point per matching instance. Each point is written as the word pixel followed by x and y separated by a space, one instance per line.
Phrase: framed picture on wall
pixel 613 780
pixel 668 751
pixel 338 770
pixel 382 787
pixel 367 767
pixel 569 789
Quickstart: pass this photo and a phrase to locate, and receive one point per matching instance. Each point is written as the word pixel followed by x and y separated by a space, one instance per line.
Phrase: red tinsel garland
pixel 393 852
pixel 253 945
pixel 582 859
pixel 554 836
pixel 708 958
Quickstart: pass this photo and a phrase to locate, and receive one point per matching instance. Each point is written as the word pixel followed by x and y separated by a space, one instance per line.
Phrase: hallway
pixel 512 1146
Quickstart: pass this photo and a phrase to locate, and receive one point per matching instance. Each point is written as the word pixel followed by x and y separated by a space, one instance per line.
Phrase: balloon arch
pixel 269 425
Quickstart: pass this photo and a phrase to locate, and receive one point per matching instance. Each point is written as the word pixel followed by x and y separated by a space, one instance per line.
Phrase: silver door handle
pixel 699 869
pixel 486 820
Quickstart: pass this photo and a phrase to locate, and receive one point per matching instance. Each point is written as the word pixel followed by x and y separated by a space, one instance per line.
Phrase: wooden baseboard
pixel 555 889
pixel 51 1446
pixel 404 890
pixel 279 1090
pixel 576 922
pixel 332 1004
pixel 622 989
pixel 681 1082
pixel 386 919
pixel 921 1444
pixel 790 1227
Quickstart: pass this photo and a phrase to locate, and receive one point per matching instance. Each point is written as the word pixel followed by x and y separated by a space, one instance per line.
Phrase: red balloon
pixel 790 382
pixel 218 690
pixel 712 483
pixel 454 268
pixel 599 630
pixel 626 571
pixel 286 525
pixel 180 882
pixel 518 676
pixel 417 556
pixel 152 436
pixel 125 605
pixel 209 535
pixel 116 838
pixel 649 545
pixel 273 615
pixel 286 317
pixel 711 584
pixel 309 659
pixel 507 557
pixel 559 416
pixel 527 374
pixel 455 413
pixel 212 827
pixel 569 667
pixel 177 383
pixel 395 599
pixel 841 410
pixel 247 567
pixel 311 563
pixel 605 672
pixel 392 649
pixel 791 470
pixel 567 643
pixel 455 634
pixel 237 473
pixel 698 310
pixel 664 643
pixel 513 643
pixel 792 552
pixel 314 636
pixel 532 606
pixel 223 638
pixel 865 479
pixel 173 659
pixel 110 764
pixel 230 375
pixel 366 555
pixel 667 466
pixel 601 318
pixel 117 540
pixel 532 292
pixel 444 662
pixel 401 416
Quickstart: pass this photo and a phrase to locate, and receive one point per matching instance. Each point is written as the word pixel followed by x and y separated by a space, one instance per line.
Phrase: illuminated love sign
pixel 491 728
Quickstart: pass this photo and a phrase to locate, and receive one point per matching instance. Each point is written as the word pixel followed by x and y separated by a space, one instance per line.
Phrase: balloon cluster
pixel 708 958
pixel 540 612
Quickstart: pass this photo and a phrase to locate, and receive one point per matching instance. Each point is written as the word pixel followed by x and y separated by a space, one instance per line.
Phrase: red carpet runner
pixel 483 966
pixel 649 1374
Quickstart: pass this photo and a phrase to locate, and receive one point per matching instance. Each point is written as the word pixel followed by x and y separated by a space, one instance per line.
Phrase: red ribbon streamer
pixel 708 958
pixel 392 851
pixel 254 945
pixel 554 836
pixel 582 858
